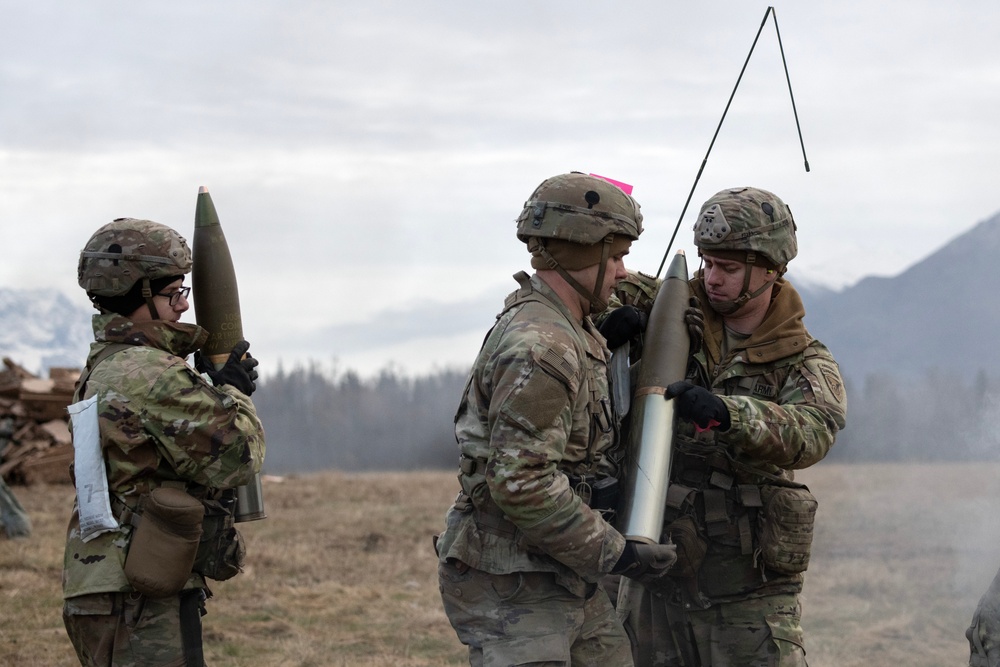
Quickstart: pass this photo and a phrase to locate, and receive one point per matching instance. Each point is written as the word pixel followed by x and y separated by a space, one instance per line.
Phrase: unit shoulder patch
pixel 831 377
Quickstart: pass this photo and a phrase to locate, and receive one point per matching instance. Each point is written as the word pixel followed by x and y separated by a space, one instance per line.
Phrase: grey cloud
pixel 367 141
pixel 392 325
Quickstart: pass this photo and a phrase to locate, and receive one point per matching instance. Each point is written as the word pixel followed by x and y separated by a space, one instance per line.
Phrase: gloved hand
pixel 694 318
pixel 622 324
pixel 646 563
pixel 240 371
pixel 699 405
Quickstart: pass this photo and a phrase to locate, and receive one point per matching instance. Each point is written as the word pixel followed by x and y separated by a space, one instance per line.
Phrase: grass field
pixel 342 571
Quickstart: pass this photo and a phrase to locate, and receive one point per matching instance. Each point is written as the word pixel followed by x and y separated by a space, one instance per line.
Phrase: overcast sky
pixel 368 159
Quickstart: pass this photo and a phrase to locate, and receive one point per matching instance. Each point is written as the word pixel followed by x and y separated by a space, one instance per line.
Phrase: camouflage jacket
pixel 786 402
pixel 160 421
pixel 535 409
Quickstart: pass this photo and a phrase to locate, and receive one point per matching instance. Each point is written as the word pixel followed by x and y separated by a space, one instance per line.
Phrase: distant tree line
pixel 321 419
pixel 317 418
pixel 940 416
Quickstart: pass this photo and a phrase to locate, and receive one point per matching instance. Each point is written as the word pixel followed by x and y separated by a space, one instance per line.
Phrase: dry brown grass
pixel 342 572
pixel 902 555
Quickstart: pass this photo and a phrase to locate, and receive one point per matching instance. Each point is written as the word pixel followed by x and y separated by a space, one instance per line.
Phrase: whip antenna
pixel 721 120
pixel 789 80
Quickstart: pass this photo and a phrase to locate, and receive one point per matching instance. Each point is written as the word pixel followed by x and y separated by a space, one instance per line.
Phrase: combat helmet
pixel 127 258
pixel 750 225
pixel 573 221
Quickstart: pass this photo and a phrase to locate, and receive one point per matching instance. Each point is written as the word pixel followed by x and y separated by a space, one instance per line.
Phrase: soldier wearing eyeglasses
pixel 162 425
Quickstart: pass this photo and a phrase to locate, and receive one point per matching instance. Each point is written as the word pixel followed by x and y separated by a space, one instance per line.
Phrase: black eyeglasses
pixel 175 297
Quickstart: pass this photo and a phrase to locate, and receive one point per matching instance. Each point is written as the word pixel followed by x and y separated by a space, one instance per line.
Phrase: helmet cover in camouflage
pixel 579 208
pixel 638 289
pixel 747 219
pixel 125 251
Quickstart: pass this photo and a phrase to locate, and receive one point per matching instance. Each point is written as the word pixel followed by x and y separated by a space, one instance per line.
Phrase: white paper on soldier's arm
pixel 92 494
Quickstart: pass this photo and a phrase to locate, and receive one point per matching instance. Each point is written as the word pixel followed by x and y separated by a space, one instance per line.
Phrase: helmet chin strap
pixel 725 308
pixel 593 298
pixel 147 294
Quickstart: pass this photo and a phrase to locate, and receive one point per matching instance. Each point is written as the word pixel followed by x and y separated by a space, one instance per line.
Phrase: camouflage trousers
pixel 762 632
pixel 527 618
pixel 132 630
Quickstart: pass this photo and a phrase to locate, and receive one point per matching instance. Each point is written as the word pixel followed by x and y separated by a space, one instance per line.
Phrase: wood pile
pixel 35 443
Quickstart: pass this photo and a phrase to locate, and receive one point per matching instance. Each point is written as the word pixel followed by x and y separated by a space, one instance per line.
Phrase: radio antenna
pixel 770 10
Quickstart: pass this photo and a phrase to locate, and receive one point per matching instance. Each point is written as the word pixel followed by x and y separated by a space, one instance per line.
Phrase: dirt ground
pixel 342 571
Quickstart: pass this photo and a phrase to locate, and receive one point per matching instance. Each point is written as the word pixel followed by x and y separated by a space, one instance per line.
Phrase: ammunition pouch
pixel 785 528
pixel 222 551
pixel 772 520
pixel 163 546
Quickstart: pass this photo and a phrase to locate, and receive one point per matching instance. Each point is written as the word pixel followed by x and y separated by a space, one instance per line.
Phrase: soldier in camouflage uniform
pixel 162 423
pixel 984 632
pixel 762 398
pixel 526 542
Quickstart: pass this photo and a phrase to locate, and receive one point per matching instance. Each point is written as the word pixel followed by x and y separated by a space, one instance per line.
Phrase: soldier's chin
pixel 714 303
pixel 723 306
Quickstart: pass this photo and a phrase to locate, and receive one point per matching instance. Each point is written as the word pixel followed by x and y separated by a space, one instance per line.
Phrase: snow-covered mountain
pixel 42 328
pixel 940 313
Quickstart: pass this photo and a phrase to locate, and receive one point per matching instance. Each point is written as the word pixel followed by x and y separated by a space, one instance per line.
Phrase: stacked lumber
pixel 35 443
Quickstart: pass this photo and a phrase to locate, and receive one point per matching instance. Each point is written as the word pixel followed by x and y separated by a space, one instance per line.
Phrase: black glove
pixel 622 324
pixel 240 371
pixel 646 563
pixel 694 318
pixel 699 405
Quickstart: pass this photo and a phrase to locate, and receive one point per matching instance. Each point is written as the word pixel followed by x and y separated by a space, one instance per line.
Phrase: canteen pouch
pixel 785 528
pixel 222 550
pixel 163 546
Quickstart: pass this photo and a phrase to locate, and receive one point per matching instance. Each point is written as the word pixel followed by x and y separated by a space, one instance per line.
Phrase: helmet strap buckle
pixel 147 294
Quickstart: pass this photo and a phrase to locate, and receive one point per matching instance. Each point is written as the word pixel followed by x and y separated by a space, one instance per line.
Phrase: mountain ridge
pixel 938 315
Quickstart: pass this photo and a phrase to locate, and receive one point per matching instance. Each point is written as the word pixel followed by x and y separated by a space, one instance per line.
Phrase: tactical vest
pixel 719 503
pixel 587 480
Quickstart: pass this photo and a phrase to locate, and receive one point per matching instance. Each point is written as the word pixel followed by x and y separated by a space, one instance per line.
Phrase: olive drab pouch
pixel 786 528
pixel 222 550
pixel 691 547
pixel 163 546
